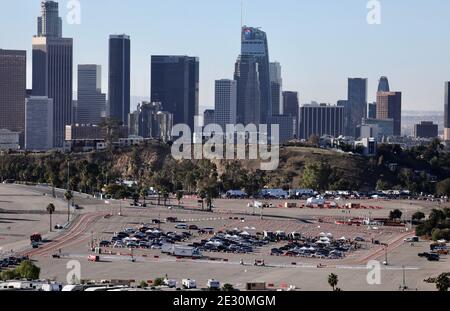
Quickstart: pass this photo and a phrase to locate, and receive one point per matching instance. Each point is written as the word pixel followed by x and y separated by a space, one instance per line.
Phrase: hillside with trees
pixel 424 169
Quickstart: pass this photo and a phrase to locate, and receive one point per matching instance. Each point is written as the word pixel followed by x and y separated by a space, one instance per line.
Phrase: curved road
pixel 74 235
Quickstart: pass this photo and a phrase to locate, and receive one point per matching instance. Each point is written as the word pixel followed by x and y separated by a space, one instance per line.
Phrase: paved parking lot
pixel 95 224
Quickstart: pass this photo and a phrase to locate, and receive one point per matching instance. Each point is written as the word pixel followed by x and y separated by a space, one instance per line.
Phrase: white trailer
pixel 189 284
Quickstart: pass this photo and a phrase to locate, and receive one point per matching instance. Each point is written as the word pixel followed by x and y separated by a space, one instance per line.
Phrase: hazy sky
pixel 320 43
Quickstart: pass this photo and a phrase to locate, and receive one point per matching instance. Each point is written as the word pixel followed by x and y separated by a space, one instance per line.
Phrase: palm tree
pixel 50 210
pixel 333 280
pixel 68 196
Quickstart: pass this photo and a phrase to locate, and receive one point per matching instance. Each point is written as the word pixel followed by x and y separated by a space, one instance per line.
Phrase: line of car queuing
pixel 11 262
pixel 148 237
pixel 436 251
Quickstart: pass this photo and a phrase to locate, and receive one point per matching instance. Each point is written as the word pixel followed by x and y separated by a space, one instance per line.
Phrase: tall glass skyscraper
pixel 13 76
pixel 389 106
pixel 225 108
pixel 49 23
pixel 247 77
pixel 383 85
pixel 52 69
pixel 447 112
pixel 91 101
pixel 119 78
pixel 175 84
pixel 276 84
pixel 254 43
pixel 357 105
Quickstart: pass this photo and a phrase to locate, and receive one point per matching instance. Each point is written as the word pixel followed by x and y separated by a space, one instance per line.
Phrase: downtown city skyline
pixel 321 77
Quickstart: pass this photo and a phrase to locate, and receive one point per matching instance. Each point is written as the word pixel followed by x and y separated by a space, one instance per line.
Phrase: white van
pixel 189 284
pixel 170 283
pixel 213 284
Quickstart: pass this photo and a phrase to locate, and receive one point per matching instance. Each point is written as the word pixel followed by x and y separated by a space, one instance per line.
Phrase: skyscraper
pixel 49 24
pixel 225 108
pixel 39 123
pixel 91 103
pixel 208 117
pixel 52 72
pixel 175 84
pixel 383 85
pixel 389 106
pixel 13 90
pixel 119 78
pixel 254 43
pixel 246 75
pixel 372 112
pixel 447 112
pixel 276 84
pixel 357 104
pixel 291 107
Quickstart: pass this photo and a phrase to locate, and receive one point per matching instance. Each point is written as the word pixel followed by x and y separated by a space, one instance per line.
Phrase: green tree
pixel 227 287
pixel 27 270
pixel 333 280
pixel 158 282
pixel 9 275
pixel 443 282
pixel 395 214
pixel 316 176
pixel 443 188
pixel 50 210
pixel 179 196
pixel 418 216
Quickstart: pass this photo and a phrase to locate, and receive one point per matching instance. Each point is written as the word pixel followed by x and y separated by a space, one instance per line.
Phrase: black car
pixel 433 257
pixel 104 243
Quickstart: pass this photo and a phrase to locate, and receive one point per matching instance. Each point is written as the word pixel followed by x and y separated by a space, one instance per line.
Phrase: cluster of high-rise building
pixel 46 116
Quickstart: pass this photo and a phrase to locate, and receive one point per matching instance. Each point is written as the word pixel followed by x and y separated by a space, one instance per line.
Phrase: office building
pixel 286 127
pixel 80 132
pixel 379 128
pixel 119 78
pixel 248 90
pixel 254 43
pixel 356 105
pixel 164 120
pixel 276 84
pixel 91 102
pixel 175 84
pixel 447 112
pixel 321 119
pixel 225 106
pixel 9 140
pixel 372 111
pixel 13 90
pixel 133 123
pixel 39 123
pixel 148 126
pixel 208 117
pixel 389 106
pixel 49 24
pixel 426 129
pixel 53 72
pixel 291 108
